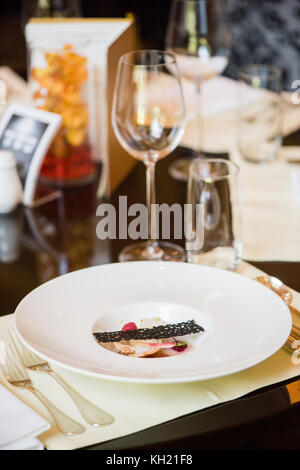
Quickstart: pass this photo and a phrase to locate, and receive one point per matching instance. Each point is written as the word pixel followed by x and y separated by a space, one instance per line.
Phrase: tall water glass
pixel 260 116
pixel 213 225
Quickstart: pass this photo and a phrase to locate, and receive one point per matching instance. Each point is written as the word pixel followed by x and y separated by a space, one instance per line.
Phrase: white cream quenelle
pixel 11 192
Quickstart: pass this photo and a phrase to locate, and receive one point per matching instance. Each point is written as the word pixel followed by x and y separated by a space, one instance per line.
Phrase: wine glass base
pixel 160 251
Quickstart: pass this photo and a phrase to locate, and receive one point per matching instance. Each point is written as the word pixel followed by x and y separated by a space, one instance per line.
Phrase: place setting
pixel 149 253
pixel 232 334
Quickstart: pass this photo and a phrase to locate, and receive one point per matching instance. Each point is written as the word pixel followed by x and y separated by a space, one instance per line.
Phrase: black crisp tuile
pixel 157 332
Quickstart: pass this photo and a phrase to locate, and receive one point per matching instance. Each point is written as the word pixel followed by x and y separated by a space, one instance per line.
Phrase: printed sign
pixel 28 133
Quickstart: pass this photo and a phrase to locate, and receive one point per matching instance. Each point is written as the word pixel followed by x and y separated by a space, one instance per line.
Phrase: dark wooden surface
pixel 37 245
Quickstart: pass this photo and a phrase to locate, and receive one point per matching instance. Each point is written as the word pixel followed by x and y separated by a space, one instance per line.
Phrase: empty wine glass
pixel 148 118
pixel 198 37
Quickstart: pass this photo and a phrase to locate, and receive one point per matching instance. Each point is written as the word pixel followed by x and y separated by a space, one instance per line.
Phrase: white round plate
pixel 244 322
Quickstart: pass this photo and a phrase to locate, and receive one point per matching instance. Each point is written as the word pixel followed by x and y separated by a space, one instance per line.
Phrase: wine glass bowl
pixel 148 118
pixel 146 123
pixel 198 37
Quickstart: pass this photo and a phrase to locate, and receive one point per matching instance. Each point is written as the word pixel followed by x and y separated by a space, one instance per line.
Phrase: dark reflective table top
pixel 39 244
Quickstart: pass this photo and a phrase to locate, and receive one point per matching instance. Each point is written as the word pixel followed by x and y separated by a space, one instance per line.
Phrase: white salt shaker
pixel 11 192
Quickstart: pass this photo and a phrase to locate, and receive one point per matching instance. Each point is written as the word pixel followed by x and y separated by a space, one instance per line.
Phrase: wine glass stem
pixel 151 201
pixel 200 123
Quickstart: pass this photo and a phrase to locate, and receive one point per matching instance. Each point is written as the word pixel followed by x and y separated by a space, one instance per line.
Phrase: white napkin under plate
pixel 19 424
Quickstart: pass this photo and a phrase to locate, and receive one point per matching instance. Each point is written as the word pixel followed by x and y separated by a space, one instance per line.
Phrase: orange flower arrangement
pixel 60 90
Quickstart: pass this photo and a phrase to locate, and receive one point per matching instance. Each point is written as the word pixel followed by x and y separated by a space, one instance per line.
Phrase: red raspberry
pixel 129 326
pixel 180 348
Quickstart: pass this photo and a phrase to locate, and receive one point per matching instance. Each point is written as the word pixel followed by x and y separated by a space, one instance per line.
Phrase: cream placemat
pixel 137 407
pixel 16 89
pixel 270 210
pixel 219 110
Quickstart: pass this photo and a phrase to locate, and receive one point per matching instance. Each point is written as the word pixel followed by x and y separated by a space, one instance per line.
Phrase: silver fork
pixel 16 375
pixel 90 412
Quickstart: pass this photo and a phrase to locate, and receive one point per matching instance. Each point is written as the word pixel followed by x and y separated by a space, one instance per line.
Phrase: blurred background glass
pixel 49 9
pixel 197 35
pixel 214 185
pixel 260 123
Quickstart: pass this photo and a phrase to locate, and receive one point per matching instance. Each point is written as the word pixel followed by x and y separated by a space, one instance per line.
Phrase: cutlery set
pixel 15 362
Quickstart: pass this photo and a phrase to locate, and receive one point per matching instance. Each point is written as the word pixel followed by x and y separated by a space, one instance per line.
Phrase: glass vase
pixel 61 82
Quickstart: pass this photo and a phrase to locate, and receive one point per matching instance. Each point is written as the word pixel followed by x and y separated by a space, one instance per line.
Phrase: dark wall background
pixel 263 31
pixel 266 32
pixel 151 17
